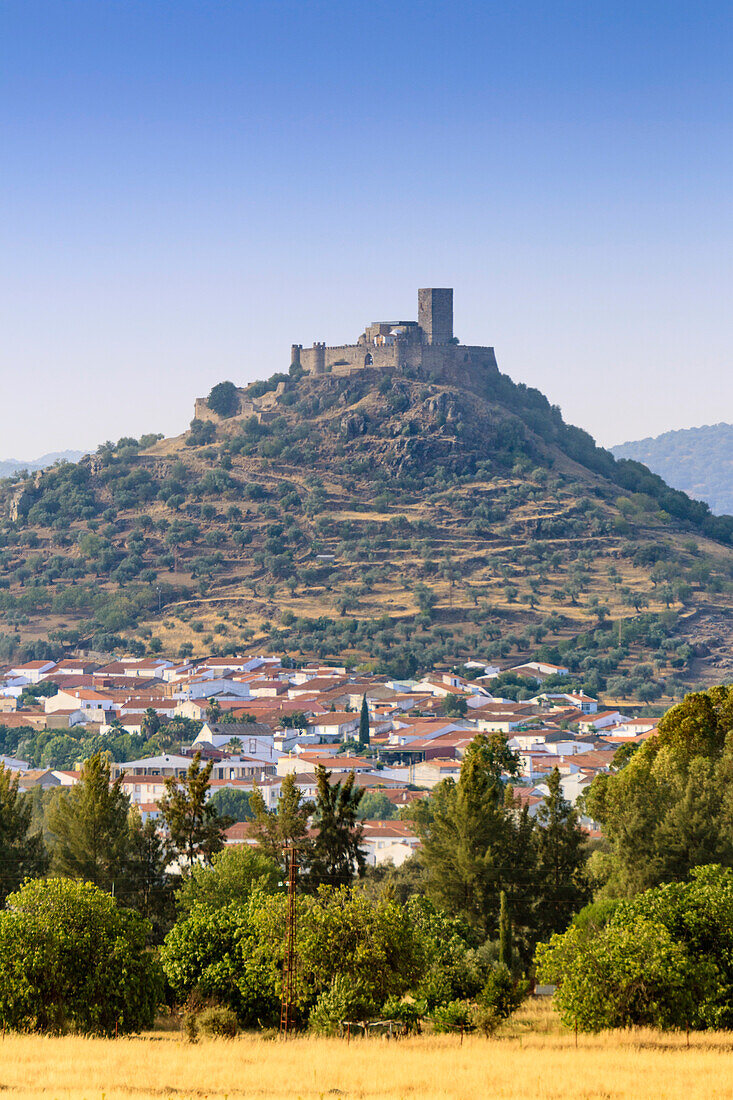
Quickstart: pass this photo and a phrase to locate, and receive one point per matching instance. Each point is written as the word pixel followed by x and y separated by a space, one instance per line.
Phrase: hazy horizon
pixel 188 189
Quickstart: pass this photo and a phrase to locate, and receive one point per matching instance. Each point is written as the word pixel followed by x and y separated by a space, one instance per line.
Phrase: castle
pixel 426 345
pixel 425 348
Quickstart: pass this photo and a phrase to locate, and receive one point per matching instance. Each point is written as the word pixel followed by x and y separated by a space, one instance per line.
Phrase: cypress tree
pixel 505 932
pixel 364 724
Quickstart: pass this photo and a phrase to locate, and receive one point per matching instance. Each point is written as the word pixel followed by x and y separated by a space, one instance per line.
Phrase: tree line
pixel 634 929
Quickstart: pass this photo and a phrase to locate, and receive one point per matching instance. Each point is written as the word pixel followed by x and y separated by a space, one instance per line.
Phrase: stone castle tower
pixel 426 344
pixel 435 315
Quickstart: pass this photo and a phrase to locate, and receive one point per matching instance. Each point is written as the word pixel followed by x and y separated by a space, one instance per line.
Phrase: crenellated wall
pixel 455 360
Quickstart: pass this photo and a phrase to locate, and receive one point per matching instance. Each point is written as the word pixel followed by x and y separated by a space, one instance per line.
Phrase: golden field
pixel 532 1058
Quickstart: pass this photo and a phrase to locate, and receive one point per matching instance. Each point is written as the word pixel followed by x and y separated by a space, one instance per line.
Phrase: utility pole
pixel 290 961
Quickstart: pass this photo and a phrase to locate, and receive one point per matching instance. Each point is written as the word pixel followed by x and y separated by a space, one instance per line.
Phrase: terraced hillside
pixel 393 520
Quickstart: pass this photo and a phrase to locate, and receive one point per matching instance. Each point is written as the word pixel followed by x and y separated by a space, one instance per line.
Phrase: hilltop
pixel 390 517
pixel 697 460
pixel 10 466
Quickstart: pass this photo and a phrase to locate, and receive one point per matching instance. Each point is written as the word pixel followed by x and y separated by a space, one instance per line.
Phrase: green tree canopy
pixel 285 826
pixel 670 808
pixel 223 399
pixel 233 875
pixel 465 831
pixel 233 803
pixel 235 953
pixel 562 885
pixel 454 706
pixel 375 806
pixel 71 959
pixel 337 853
pixel 146 886
pixel 661 959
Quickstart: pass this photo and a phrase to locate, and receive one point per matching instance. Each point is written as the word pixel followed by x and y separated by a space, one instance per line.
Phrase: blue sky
pixel 187 188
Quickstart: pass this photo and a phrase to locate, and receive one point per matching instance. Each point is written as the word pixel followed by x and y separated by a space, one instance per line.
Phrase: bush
pixel 72 960
pixel 234 954
pixel 453 1016
pixel 217 1021
pixel 485 1019
pixel 407 1013
pixel 189 1025
pixel 342 1000
pixel 501 995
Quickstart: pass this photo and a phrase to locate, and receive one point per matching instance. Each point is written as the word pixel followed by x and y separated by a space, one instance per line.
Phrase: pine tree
pixel 364 724
pixel 467 836
pixel 285 826
pixel 22 854
pixel 147 887
pixel 562 887
pixel 337 850
pixel 194 824
pixel 89 824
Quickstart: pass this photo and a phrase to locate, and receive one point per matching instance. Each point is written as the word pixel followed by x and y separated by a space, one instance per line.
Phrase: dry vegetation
pixel 532 1058
pixel 216 541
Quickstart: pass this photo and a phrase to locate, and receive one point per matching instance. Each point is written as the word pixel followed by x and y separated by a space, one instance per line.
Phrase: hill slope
pixel 394 519
pixel 697 460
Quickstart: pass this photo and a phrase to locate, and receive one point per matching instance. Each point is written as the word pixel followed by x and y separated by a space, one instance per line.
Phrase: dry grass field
pixel 533 1059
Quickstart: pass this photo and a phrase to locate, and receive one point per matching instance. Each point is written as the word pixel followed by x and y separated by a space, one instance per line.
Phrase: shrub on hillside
pixel 223 399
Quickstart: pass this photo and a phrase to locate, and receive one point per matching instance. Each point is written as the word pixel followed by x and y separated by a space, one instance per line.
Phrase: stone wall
pixel 454 362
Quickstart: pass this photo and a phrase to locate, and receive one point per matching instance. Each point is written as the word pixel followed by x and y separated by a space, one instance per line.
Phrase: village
pixel 259 721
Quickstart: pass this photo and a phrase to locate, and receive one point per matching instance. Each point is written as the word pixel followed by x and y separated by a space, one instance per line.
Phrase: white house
pixel 256 738
pixel 585 703
pixel 32 671
pixel 334 726
pixel 208 685
pixel 601 721
pixel 84 699
pixel 388 842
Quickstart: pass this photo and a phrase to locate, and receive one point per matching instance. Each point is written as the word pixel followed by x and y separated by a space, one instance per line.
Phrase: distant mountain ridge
pixel 697 460
pixel 10 466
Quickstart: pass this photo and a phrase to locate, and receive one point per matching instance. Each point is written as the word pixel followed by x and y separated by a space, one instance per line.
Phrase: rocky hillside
pixel 389 519
pixel 697 460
